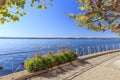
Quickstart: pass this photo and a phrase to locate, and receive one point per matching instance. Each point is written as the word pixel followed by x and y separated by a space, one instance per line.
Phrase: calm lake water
pixel 15 51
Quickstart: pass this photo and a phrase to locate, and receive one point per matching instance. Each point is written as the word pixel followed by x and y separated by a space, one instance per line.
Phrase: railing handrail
pixel 81 50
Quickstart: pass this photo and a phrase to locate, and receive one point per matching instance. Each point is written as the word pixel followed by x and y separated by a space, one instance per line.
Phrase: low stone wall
pixel 97 54
pixel 23 75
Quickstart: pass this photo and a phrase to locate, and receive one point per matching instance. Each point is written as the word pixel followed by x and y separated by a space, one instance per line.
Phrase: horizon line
pixel 59 38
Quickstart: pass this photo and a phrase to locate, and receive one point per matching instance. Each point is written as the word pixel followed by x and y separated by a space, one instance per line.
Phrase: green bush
pixel 33 64
pixel 48 62
pixel 44 62
pixel 58 59
pixel 70 56
pixel 64 58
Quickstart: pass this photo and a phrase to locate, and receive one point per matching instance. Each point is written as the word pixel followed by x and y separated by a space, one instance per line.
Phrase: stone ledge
pixel 29 75
pixel 97 54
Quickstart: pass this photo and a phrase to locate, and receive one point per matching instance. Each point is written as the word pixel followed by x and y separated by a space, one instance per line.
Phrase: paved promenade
pixel 105 67
pixel 109 70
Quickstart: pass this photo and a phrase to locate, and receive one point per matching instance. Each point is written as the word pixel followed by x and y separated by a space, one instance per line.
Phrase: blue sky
pixel 49 23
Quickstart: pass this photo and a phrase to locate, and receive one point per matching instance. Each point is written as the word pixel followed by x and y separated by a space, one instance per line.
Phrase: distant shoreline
pixel 51 38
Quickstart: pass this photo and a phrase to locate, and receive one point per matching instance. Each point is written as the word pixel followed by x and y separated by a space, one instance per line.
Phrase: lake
pixel 15 51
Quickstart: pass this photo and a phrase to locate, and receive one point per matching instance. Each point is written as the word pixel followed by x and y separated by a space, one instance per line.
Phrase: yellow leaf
pixel 18 8
pixel 82 7
pixel 24 13
pixel 11 5
pixel 82 18
pixel 80 0
pixel 86 1
pixel 1 22
pixel 43 7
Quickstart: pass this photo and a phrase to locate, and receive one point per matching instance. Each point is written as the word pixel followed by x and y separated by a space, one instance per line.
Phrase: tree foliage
pixel 11 10
pixel 99 15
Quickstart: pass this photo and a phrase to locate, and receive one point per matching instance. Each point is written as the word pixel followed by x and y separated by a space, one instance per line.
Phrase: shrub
pixel 44 62
pixel 48 62
pixel 33 64
pixel 64 57
pixel 70 56
pixel 58 59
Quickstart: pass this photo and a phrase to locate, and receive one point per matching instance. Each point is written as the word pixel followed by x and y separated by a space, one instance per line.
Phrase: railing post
pixel 106 46
pixel 113 46
pixel 119 46
pixel 98 47
pixel 88 50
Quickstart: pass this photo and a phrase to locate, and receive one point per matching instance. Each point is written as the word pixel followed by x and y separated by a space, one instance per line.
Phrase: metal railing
pixel 13 62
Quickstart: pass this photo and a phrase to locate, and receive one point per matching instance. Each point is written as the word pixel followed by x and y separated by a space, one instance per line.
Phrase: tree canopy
pixel 99 15
pixel 11 10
